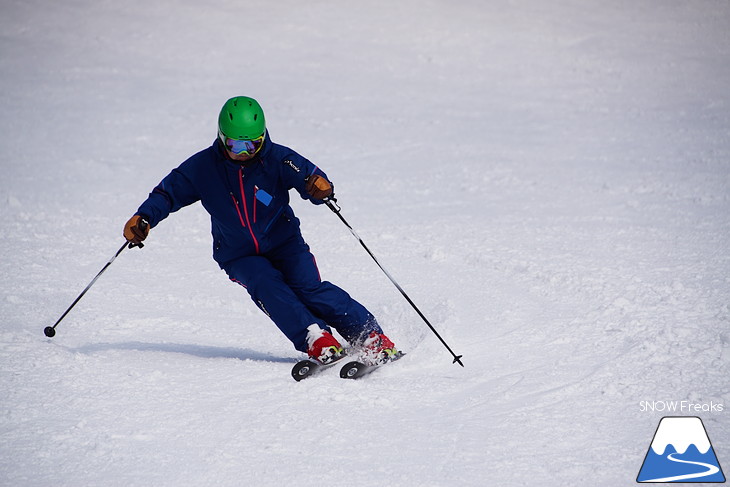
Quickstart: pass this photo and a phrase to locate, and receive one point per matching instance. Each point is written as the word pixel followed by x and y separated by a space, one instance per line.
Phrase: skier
pixel 243 181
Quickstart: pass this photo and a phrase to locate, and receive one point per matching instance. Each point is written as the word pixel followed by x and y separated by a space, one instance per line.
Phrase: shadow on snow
pixel 202 351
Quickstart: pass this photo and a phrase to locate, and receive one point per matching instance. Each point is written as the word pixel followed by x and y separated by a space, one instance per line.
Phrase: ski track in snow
pixel 549 183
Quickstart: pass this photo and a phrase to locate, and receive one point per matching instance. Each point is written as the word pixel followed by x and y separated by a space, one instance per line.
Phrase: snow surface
pixel 548 180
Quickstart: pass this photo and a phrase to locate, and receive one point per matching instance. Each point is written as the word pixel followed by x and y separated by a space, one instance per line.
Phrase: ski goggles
pixel 238 147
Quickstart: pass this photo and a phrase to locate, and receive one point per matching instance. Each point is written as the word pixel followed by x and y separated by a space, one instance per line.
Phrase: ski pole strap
pixel 331 203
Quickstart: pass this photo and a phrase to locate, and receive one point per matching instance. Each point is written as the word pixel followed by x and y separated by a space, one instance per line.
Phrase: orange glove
pixel 136 229
pixel 318 187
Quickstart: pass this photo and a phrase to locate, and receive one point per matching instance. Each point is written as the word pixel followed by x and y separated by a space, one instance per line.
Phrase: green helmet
pixel 242 118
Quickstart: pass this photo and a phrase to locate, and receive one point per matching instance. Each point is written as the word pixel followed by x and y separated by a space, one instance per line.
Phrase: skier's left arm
pixel 309 180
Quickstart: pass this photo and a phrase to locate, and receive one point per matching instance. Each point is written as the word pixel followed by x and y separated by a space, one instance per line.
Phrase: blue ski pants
pixel 286 285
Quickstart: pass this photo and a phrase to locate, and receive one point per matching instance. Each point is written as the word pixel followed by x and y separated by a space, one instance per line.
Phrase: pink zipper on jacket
pixel 255 205
pixel 247 223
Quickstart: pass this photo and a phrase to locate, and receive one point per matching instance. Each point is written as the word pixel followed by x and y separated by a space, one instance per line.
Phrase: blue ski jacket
pixel 248 204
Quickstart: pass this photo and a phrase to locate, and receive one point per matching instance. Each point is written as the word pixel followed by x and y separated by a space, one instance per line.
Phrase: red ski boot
pixel 323 347
pixel 379 349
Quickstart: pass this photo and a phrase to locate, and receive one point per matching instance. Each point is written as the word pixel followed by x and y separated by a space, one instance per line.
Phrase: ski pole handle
pixel 143 224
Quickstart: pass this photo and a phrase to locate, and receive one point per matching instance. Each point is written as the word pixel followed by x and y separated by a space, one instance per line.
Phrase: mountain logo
pixel 680 452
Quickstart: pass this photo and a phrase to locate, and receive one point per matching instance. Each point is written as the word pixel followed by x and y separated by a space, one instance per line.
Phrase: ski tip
pixel 353 370
pixel 303 369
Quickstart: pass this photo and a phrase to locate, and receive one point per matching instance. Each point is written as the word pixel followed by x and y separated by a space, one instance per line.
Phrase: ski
pixel 307 368
pixel 351 370
pixel 357 369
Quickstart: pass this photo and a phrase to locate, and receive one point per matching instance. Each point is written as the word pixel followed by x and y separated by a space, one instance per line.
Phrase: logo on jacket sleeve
pixel 680 452
pixel 291 164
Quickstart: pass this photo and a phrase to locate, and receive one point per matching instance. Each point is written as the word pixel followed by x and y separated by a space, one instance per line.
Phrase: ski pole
pixel 50 331
pixel 331 202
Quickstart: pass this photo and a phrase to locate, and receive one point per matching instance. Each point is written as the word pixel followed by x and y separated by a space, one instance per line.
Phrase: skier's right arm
pixel 175 191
